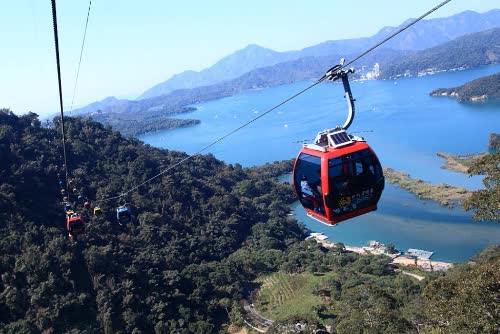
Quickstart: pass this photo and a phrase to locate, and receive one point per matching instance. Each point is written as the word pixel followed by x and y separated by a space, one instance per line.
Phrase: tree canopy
pixel 199 237
pixel 199 234
pixel 486 202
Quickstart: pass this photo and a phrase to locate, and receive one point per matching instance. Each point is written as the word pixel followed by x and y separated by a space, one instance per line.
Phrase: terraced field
pixel 282 295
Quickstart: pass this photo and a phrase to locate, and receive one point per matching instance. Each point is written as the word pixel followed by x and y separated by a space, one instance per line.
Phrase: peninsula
pixel 442 193
pixel 485 88
pixel 459 163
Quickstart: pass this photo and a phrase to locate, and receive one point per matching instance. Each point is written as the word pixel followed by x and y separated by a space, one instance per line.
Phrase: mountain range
pixel 425 34
pixel 467 51
pixel 472 50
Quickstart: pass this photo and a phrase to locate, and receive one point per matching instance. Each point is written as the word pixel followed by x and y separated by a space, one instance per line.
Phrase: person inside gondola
pixel 309 194
pixel 364 177
pixel 317 191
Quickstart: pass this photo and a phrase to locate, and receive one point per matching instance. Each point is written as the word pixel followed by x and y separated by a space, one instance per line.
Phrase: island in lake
pixel 481 89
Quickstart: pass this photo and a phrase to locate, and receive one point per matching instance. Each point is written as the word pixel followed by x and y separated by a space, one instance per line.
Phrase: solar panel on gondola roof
pixel 339 138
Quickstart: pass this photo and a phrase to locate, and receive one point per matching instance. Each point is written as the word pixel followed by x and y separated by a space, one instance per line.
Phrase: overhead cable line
pixel 56 41
pixel 330 75
pixel 397 32
pixel 210 145
pixel 81 53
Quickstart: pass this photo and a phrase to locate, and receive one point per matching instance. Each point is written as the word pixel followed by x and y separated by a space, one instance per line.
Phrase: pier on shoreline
pixel 379 249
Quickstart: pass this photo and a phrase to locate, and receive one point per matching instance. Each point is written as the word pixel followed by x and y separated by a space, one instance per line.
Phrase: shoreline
pixel 459 163
pixel 397 259
pixel 443 194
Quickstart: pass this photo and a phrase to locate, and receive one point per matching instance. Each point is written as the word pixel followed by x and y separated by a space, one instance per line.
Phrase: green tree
pixel 486 202
pixel 467 300
pixel 391 249
pixel 339 248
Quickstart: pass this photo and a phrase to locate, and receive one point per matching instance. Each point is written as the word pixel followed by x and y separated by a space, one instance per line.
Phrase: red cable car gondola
pixel 338 177
pixel 75 225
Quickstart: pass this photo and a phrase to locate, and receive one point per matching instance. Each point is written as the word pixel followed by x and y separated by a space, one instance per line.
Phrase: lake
pixel 401 122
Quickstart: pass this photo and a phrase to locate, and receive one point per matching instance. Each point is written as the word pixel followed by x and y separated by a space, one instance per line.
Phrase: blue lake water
pixel 401 122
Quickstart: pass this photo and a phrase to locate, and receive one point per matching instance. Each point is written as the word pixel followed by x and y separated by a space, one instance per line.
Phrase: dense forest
pixel 481 89
pixel 135 124
pixel 199 236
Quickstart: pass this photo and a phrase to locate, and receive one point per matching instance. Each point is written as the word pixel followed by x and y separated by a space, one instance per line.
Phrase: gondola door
pixel 309 182
pixel 355 184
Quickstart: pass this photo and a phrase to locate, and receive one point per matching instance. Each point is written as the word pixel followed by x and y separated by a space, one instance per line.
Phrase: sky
pixel 134 45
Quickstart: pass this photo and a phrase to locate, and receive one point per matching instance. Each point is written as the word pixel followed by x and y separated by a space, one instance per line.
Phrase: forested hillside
pixel 471 50
pixel 480 89
pixel 200 235
pixel 135 124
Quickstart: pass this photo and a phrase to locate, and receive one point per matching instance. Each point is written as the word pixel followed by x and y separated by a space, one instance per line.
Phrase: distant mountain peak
pixel 425 34
pixel 100 105
pixel 241 61
pixel 253 46
pixel 109 99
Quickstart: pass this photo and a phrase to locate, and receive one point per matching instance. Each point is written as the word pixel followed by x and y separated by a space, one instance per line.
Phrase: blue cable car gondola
pixel 123 215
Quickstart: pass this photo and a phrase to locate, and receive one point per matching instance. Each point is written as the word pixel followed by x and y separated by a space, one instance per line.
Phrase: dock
pixel 419 254
pixel 409 259
pixel 317 236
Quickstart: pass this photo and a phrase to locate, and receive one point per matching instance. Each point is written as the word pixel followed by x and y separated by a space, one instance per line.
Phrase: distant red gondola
pixel 75 225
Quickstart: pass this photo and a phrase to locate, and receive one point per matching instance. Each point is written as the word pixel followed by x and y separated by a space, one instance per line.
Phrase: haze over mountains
pixel 229 67
pixel 472 50
pixel 425 34
pixel 469 51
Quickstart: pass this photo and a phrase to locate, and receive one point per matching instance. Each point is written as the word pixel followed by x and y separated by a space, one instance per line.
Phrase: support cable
pixel 392 35
pixel 56 41
pixel 211 144
pixel 81 53
pixel 332 74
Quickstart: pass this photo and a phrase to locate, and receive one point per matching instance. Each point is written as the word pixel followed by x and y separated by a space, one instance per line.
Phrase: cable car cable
pixel 58 61
pixel 211 144
pixel 331 74
pixel 81 53
pixel 75 225
pixel 390 36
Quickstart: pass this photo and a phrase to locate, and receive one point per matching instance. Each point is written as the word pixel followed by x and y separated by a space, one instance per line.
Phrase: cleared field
pixel 282 295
